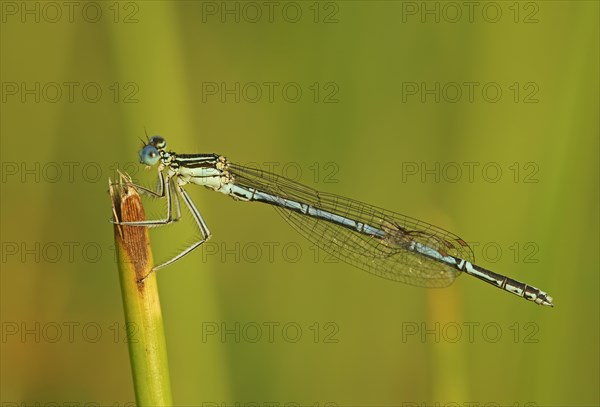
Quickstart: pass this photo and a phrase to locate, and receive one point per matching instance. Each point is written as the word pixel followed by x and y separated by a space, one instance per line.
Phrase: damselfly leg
pixel 169 189
pixel 166 189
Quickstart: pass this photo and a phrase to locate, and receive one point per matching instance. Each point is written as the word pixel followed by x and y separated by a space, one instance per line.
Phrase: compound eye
pixel 149 155
pixel 158 142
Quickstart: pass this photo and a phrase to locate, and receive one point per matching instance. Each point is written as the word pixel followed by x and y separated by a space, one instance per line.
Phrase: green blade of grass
pixel 145 333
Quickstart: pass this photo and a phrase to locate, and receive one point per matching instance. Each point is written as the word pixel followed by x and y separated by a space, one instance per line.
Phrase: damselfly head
pixel 149 155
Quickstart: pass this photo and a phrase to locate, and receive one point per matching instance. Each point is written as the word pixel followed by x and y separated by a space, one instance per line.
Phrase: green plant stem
pixel 145 333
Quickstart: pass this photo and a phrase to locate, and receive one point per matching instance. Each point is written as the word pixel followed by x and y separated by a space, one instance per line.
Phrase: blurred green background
pixel 259 316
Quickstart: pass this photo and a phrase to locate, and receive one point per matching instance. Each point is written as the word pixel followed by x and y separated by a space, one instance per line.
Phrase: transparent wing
pixel 386 255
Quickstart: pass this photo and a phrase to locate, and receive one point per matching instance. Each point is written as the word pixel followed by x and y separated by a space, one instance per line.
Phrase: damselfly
pixel 382 242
